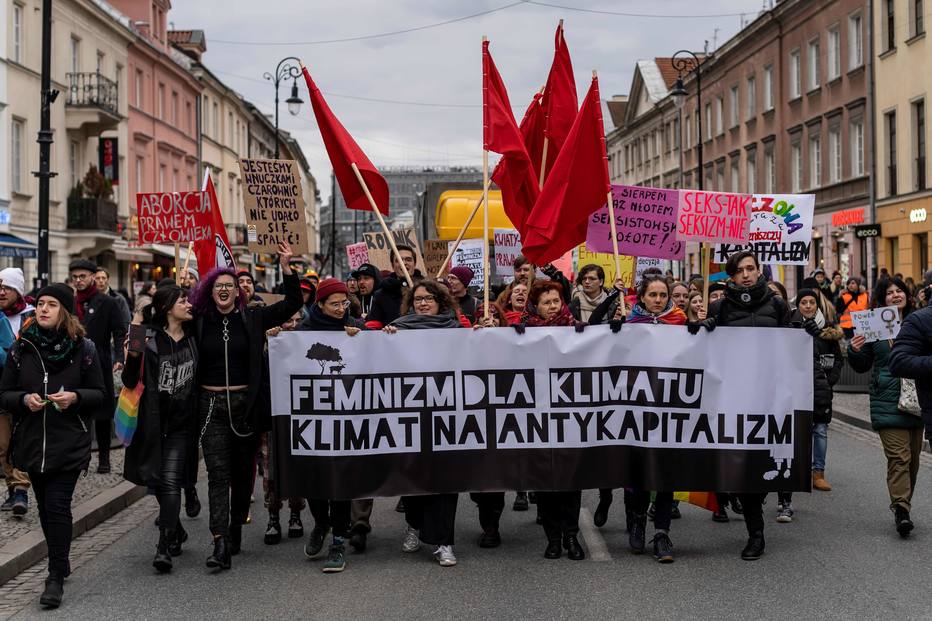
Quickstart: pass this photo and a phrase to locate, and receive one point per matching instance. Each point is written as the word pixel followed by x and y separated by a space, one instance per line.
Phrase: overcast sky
pixel 440 65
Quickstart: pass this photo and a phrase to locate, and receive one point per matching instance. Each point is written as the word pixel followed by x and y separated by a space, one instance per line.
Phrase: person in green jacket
pixel 900 432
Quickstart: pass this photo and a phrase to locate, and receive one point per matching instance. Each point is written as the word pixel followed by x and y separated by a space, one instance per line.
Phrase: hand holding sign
pixel 876 324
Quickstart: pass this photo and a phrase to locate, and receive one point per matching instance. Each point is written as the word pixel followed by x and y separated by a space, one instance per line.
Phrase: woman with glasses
pixel 330 314
pixel 590 291
pixel 233 404
pixel 431 518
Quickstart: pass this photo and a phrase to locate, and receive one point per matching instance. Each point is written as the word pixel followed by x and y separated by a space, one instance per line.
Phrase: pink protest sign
pixel 358 254
pixel 719 217
pixel 645 221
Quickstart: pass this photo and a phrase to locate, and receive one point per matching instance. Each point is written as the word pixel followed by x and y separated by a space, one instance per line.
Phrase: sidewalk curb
pixel 857 421
pixel 25 551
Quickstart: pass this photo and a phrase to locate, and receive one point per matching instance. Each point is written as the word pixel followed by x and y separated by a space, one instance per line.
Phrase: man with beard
pixel 367 279
pixel 103 321
pixel 247 285
pixel 102 279
pixel 386 306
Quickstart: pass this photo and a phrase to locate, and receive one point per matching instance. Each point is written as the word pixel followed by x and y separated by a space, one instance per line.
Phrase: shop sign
pixel 848 217
pixel 866 231
pixel 918 215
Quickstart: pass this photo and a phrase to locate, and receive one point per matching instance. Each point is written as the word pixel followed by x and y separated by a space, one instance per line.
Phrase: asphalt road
pixel 840 559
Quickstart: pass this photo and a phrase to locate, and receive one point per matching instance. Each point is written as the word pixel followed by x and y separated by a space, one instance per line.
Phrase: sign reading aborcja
pixel 651 407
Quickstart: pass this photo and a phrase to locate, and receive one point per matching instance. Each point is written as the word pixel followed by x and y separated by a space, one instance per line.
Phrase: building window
pixel 175 117
pixel 834 155
pixel 796 87
pixel 919 131
pixel 855 42
pixel 770 171
pixel 834 54
pixel 814 78
pixel 752 172
pixel 720 177
pixel 100 62
pixel 17 133
pixel 856 136
pixel 188 117
pixel 796 167
pixel 17 33
pixel 768 88
pixel 719 116
pixel 815 161
pixel 890 122
pixel 751 98
pixel 139 87
pixel 75 55
pixel 708 121
pixel 734 111
pixel 74 164
pixel 676 134
pixel 160 102
pixel 139 174
pixel 217 131
pixel 230 129
pixel 918 22
pixel 735 174
pixel 889 25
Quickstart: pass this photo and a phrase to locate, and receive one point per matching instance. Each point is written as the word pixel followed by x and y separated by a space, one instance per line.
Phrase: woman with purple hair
pixel 233 409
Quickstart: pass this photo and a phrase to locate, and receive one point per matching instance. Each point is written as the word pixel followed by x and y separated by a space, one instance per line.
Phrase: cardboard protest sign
pixel 173 217
pixel 469 253
pixel 877 324
pixel 435 251
pixel 274 205
pixel 357 254
pixel 271 298
pixel 507 248
pixel 380 250
pixel 716 217
pixel 780 230
pixel 606 261
pixel 645 222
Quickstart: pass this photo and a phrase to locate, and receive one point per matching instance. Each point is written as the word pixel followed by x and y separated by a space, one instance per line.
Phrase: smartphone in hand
pixel 137 338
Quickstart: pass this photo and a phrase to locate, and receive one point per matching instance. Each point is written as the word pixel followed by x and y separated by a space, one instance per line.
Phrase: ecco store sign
pixel 918 215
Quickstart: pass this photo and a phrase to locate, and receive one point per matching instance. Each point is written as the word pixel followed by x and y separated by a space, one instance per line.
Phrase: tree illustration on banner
pixel 322 354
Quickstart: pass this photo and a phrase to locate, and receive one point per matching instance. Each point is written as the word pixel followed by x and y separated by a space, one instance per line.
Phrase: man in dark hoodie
pixel 386 305
pixel 367 280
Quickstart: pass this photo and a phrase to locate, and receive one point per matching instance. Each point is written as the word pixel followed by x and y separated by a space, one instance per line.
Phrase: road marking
pixel 598 551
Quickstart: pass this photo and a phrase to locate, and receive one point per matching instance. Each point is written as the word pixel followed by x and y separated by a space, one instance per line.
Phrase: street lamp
pixel 681 61
pixel 286 69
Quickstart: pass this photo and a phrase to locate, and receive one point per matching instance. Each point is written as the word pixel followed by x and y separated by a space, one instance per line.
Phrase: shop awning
pixel 16 247
pixel 137 255
pixel 169 251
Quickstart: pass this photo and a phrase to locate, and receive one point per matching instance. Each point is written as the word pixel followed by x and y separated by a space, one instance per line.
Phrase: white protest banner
pixel 444 410
pixel 357 254
pixel 507 248
pixel 877 324
pixel 781 230
pixel 644 263
pixel 469 254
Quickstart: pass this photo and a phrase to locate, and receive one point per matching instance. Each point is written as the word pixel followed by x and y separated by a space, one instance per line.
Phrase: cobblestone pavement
pixel 853 403
pixel 88 487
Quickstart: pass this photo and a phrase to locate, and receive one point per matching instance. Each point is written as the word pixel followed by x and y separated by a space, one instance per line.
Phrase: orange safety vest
pixel 858 304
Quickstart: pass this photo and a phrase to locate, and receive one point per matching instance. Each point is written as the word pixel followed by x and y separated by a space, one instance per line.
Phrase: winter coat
pixel 605 311
pixel 386 302
pixel 912 358
pixel 143 460
pixel 316 320
pixel 9 333
pixel 827 363
pixel 884 387
pixel 103 322
pixel 755 306
pixel 51 440
pixel 468 305
pixel 671 315
pixel 258 320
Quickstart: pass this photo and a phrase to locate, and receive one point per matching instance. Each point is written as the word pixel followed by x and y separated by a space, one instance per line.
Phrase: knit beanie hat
pixel 462 274
pixel 803 293
pixel 61 292
pixel 13 278
pixel 329 286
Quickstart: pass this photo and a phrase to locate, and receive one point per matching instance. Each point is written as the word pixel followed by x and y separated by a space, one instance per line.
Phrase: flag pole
pixel 177 263
pixel 187 261
pixel 485 196
pixel 543 157
pixel 706 274
pixel 611 220
pixel 388 235
pixel 462 232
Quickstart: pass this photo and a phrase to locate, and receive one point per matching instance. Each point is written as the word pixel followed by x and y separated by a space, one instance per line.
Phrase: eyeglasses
pixel 424 299
pixel 81 276
pixel 343 304
pixel 224 286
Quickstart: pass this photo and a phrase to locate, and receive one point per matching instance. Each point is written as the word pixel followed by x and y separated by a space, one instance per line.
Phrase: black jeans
pixel 663 506
pixel 560 513
pixel 230 460
pixel 54 491
pixel 102 431
pixel 491 505
pixel 753 505
pixel 168 491
pixel 331 513
pixel 434 516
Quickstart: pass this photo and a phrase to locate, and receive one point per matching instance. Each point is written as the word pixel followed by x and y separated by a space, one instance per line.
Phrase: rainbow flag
pixel 706 500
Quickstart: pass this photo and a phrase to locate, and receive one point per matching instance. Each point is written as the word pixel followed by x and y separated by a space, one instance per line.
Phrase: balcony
pixel 93 103
pixel 92 214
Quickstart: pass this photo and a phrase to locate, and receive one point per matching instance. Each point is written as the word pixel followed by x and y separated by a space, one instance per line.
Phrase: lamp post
pixel 681 62
pixel 287 68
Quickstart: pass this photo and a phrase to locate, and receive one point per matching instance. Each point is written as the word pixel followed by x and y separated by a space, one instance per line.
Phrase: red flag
pixel 559 100
pixel 344 152
pixel 214 252
pixel 532 130
pixel 514 173
pixel 577 186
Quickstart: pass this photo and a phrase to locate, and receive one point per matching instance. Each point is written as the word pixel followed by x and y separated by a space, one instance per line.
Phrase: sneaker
pixel 336 561
pixel 663 548
pixel 273 532
pixel 720 516
pixel 295 527
pixel 445 556
pixel 411 542
pixel 785 514
pixel 521 502
pixel 315 544
pixel 675 511
pixel 20 502
pixel 8 503
pixel 904 525
pixel 636 536
pixel 400 505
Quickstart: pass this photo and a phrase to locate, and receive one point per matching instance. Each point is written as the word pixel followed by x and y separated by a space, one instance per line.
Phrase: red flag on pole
pixel 559 99
pixel 344 152
pixel 577 185
pixel 214 252
pixel 532 129
pixel 514 173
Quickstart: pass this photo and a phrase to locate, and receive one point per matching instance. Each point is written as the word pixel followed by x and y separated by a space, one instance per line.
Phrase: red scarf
pixel 17 308
pixel 562 318
pixel 83 298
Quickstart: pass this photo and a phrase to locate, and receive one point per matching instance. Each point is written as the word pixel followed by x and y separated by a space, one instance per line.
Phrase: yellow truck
pixel 454 207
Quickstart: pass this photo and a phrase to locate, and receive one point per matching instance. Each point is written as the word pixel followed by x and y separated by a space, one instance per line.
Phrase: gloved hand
pixel 615 324
pixel 811 327
pixel 580 326
pixel 519 327
pixel 708 324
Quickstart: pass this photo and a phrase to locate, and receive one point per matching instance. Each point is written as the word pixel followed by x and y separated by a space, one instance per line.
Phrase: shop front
pixel 836 247
pixel 903 246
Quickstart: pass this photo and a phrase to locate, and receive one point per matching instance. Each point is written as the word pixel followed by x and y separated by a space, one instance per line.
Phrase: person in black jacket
pixel 367 281
pixel 105 324
pixel 52 384
pixel 233 404
pixel 911 358
pixel 166 432
pixel 386 303
pixel 749 302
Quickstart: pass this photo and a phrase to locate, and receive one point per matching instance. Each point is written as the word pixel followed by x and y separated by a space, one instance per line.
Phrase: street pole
pixel 45 141
pixel 333 223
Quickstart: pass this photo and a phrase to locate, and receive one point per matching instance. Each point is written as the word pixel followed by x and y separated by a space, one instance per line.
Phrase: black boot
pixel 554 549
pixel 574 551
pixel 490 538
pixel 904 525
pixel 636 536
pixel 358 538
pixel 54 589
pixel 755 547
pixel 221 556
pixel 163 560
pixel 521 502
pixel 601 511
pixel 192 505
pixel 273 532
pixel 181 535
pixel 236 538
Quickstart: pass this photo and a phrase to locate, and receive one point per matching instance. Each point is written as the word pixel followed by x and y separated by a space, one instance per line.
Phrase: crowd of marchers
pixel 202 359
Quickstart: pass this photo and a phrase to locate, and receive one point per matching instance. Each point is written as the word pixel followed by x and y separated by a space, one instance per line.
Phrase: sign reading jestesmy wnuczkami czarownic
pixel 651 407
